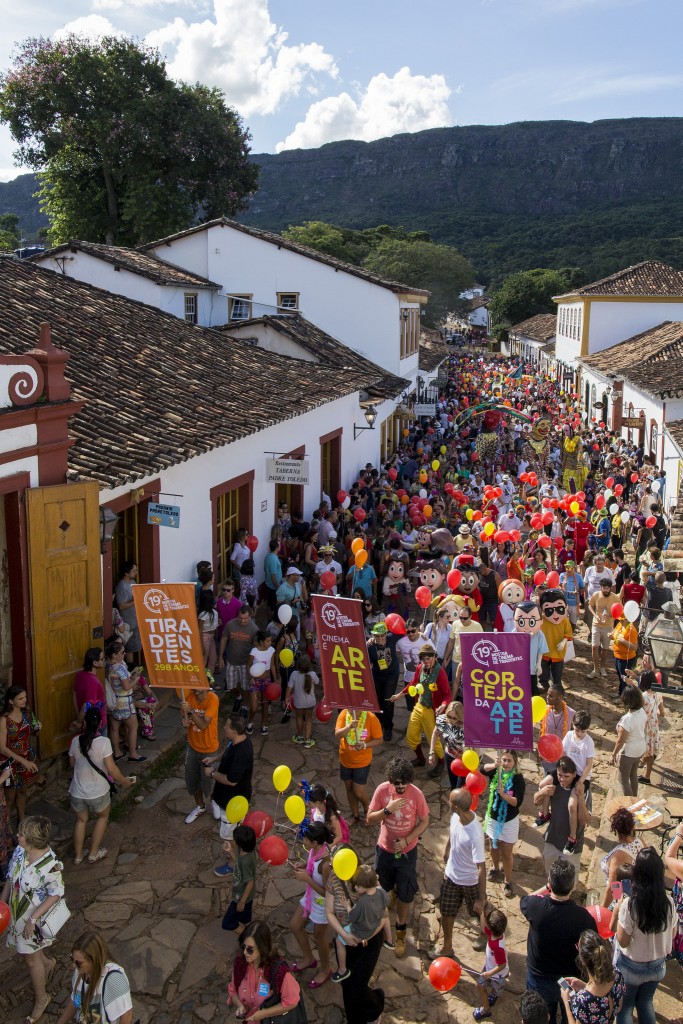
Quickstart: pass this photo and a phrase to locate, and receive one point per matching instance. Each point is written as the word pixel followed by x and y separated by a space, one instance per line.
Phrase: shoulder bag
pixel 113 788
pixel 54 920
pixel 297 1014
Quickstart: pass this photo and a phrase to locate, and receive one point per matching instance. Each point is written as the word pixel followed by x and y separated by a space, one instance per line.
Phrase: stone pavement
pixel 158 903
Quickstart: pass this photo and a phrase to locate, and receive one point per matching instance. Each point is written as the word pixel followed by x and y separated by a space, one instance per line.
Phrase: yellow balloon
pixel 469 514
pixel 357 545
pixel 420 688
pixel 443 449
pixel 575 507
pixel 470 759
pixel 435 465
pixel 286 657
pixel 489 529
pixel 295 809
pixel 282 776
pixel 236 809
pixel 538 709
pixel 344 864
pixel 412 690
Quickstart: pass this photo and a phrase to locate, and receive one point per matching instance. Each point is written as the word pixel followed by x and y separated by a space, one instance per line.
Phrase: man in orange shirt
pixel 625 649
pixel 199 715
pixel 357 733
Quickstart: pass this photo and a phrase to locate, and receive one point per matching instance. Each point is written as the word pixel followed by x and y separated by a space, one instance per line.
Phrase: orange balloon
pixel 405 431
pixel 427 511
pixel 357 545
pixel 405 499
pixel 361 558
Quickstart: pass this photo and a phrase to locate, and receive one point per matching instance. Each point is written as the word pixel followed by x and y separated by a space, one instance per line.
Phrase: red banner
pixel 172 645
pixel 344 661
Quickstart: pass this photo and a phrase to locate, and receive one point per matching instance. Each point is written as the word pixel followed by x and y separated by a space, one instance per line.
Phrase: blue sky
pixel 306 72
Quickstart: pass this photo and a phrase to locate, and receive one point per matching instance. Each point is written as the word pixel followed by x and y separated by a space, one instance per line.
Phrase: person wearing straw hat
pixel 433 694
pixel 385 667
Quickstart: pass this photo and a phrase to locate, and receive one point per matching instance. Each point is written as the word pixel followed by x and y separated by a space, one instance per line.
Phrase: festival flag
pixel 496 683
pixel 517 375
pixel 171 641
pixel 344 661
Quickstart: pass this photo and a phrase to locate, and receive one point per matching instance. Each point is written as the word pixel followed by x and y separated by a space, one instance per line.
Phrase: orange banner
pixel 172 644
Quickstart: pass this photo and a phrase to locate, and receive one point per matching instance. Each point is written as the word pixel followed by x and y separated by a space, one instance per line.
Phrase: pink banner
pixel 496 685
pixel 344 661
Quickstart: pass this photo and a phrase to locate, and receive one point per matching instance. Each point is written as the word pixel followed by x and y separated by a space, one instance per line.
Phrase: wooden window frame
pixel 248 299
pixel 149 550
pixel 222 566
pixel 280 305
pixel 194 317
pixel 323 440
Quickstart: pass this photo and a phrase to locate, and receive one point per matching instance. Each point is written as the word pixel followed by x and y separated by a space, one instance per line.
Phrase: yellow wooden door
pixel 66 599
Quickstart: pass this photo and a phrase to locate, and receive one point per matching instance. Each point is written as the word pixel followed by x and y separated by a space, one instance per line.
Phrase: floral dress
pixel 19 742
pixel 30 885
pixel 590 1009
pixel 117 674
pixel 652 702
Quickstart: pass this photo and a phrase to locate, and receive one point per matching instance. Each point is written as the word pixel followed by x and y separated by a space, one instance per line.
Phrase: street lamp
pixel 665 636
pixel 108 523
pixel 370 417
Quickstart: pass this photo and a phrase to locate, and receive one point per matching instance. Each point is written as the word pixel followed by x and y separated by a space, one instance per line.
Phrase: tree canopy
pixel 409 257
pixel 10 235
pixel 125 155
pixel 530 292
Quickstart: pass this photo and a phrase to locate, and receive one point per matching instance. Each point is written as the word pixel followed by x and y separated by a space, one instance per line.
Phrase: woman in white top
pixel 239 553
pixel 100 990
pixel 92 760
pixel 644 923
pixel 631 742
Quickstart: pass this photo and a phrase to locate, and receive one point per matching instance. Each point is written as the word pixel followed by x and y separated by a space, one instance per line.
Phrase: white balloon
pixel 625 516
pixel 423 493
pixel 613 509
pixel 346 502
pixel 284 614
pixel 631 610
pixel 655 485
pixel 608 494
pixel 255 671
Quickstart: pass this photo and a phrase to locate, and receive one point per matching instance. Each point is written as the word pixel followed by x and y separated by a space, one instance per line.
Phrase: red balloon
pixel 458 768
pixel 444 973
pixel 454 579
pixel 558 543
pixel 539 577
pixel 524 477
pixel 272 691
pixel 328 579
pixel 618 490
pixel 544 541
pixel 536 520
pixel 273 850
pixel 501 536
pixel 651 521
pixel 393 473
pixel 259 821
pixel 359 515
pixel 400 493
pixel 342 496
pixel 515 535
pixel 634 478
pixel 323 712
pixel 602 917
pixel 554 502
pixel 550 748
pixel 609 481
pixel 476 782
pixel 474 803
pixel 600 501
pixel 553 579
pixel 617 610
pixel 5 918
pixel 252 543
pixel 547 518
pixel 423 596
pixel 546 503
pixel 395 624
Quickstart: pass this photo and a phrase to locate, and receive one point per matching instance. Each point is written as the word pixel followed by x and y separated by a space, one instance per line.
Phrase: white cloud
pixel 404 103
pixel 561 88
pixel 117 5
pixel 93 26
pixel 243 53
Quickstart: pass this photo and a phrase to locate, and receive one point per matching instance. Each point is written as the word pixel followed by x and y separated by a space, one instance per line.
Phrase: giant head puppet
pixel 510 593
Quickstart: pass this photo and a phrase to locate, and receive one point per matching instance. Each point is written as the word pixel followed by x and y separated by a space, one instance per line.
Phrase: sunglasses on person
pixel 248 949
pixel 77 963
pixel 411 632
pixel 553 609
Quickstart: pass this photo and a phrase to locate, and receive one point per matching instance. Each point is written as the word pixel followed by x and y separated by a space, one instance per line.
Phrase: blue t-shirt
pixel 272 566
pixel 572 585
pixel 361 579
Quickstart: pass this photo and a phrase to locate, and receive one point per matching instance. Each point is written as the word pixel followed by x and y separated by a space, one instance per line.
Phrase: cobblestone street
pixel 158 903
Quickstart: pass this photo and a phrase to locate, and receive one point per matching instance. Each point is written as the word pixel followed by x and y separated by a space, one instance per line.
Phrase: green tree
pixel 421 264
pixel 10 234
pixel 323 237
pixel 528 293
pixel 125 154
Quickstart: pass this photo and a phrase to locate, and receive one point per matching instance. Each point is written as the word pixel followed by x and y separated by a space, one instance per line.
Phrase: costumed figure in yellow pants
pixel 433 692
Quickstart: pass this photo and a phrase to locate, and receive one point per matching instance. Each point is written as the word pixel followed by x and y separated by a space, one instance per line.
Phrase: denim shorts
pixel 359 775
pixel 94 804
pixel 637 973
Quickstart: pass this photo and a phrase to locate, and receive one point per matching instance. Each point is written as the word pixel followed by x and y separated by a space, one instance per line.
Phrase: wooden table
pixel 629 801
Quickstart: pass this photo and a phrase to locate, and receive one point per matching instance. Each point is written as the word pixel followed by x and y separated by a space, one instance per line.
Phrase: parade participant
pixel 232 778
pixel 433 694
pixel 16 745
pixel 593 577
pixel 357 734
pixel 501 821
pixel 464 878
pixel 625 649
pixel 600 607
pixel 557 631
pixel 239 912
pixel 572 584
pixel 510 594
pixel 528 619
pixel 316 840
pixel 233 654
pixel 629 845
pixel 496 970
pixel 88 690
pixel 258 974
pixel 437 633
pixel 368 914
pixel 555 791
pixel 262 670
pixel 199 715
pixel 631 743
pixel 122 683
pixel 385 668
pixel 448 728
pixel 489 583
pixel 408 648
pixel 401 810
pixel 557 721
pixel 396 585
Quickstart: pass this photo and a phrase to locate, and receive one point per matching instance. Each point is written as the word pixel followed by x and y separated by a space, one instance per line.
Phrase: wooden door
pixel 66 599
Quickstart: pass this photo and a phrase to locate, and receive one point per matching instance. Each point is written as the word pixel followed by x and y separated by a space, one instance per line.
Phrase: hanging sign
pixel 169 631
pixel 163 515
pixel 287 471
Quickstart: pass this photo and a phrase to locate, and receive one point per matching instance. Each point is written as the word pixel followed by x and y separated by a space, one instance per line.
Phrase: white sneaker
pixel 592 675
pixel 194 814
pixel 603 672
pixel 216 810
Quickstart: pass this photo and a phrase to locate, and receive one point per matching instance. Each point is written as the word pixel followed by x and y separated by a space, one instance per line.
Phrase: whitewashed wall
pixel 180 549
pixel 364 316
pixel 169 299
pixel 612 322
pixel 567 347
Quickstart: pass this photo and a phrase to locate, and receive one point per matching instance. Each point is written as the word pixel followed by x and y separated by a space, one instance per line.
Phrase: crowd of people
pixel 553 526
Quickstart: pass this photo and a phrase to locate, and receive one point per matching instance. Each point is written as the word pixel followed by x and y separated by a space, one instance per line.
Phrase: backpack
pixel 277 970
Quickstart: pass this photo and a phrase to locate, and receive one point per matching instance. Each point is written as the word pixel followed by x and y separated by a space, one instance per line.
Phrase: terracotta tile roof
pixel 328 350
pixel 676 430
pixel 158 391
pixel 285 243
pixel 649 278
pixel 652 360
pixel 136 262
pixel 541 327
pixel 433 350
pixel 478 301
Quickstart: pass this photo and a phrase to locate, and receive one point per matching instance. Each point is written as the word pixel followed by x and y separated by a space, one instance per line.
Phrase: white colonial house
pixel 530 338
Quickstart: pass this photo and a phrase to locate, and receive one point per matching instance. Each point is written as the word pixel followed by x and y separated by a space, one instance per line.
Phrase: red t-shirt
pixel 634 592
pixel 403 820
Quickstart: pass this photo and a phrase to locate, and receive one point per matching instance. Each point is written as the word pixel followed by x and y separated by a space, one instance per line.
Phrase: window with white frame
pixel 287 300
pixel 239 307
pixel 191 307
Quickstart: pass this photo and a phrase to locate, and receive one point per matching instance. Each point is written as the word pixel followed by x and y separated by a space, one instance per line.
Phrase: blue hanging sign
pixel 163 515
